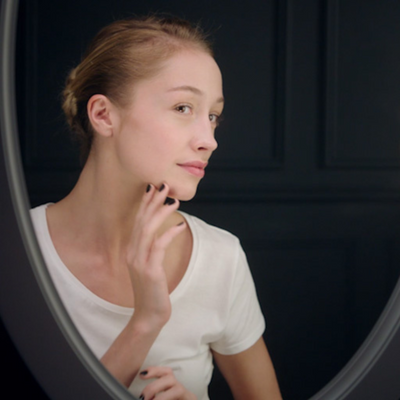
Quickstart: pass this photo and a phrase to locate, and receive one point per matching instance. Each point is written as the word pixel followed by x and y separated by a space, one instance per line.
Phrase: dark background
pixel 307 172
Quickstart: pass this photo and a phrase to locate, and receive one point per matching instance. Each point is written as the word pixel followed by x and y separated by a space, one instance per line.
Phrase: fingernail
pixel 162 187
pixel 141 397
pixel 168 201
pixel 148 188
pixel 144 372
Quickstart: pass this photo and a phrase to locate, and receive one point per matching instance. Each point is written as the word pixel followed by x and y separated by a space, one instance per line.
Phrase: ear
pixel 101 113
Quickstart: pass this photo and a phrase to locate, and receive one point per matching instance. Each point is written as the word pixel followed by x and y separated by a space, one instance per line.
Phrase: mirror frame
pixel 30 307
pixel 53 349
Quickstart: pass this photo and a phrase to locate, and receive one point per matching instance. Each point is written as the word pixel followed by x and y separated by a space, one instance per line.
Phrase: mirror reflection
pixel 302 175
pixel 157 294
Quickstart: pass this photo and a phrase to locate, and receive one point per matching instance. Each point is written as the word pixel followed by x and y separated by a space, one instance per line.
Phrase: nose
pixel 204 138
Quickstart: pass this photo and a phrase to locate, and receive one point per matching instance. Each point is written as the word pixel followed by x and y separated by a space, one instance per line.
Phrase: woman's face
pixel 166 134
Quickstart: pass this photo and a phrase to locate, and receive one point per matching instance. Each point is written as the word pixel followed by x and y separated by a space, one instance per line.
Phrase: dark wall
pixel 307 172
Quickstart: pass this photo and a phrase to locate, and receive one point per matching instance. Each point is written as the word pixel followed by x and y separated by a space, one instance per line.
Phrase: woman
pixel 156 293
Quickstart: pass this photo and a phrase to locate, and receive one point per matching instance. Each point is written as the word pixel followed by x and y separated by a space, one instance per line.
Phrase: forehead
pixel 187 68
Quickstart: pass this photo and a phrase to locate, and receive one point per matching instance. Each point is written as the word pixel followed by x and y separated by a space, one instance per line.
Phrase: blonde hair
pixel 121 54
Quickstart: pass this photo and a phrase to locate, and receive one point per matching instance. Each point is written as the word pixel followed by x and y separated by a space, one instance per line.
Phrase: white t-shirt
pixel 213 307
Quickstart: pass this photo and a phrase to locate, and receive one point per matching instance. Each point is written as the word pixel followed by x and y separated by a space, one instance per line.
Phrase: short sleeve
pixel 245 323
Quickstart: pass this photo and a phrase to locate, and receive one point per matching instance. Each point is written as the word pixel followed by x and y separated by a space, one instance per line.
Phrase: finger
pixel 149 244
pixel 151 200
pixel 153 214
pixel 152 204
pixel 147 197
pixel 175 392
pixel 146 236
pixel 155 372
pixel 161 213
pixel 161 385
pixel 161 243
pixel 157 199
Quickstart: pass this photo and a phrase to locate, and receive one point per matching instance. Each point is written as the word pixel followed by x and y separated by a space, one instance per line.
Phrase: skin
pixel 123 243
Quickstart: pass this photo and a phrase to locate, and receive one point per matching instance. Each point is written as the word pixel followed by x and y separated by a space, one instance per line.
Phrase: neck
pixel 102 206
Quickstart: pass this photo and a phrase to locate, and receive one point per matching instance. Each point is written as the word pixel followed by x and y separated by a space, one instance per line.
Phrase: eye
pixel 183 109
pixel 215 119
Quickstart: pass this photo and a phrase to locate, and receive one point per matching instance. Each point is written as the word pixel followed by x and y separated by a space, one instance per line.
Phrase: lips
pixel 195 168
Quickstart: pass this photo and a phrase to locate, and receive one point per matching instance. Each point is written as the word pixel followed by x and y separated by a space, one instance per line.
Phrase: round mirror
pixel 53 349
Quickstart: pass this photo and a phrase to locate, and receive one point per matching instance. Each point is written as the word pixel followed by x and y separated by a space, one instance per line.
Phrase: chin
pixel 182 194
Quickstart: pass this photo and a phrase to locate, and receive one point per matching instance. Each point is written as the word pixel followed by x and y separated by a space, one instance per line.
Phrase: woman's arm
pixel 127 353
pixel 250 374
pixel 145 258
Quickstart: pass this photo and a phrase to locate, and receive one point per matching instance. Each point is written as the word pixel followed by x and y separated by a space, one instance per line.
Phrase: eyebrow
pixel 192 89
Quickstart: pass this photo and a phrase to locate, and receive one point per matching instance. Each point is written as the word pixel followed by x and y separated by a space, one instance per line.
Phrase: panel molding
pixel 332 159
pixel 44 186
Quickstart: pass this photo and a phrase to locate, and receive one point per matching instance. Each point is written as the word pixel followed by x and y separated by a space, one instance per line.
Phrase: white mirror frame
pixel 44 334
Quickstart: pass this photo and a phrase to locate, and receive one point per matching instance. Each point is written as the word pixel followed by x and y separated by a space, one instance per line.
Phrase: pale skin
pixel 123 243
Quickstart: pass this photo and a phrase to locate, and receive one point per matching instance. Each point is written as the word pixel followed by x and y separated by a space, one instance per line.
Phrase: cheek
pixel 147 146
pixel 158 135
pixel 156 141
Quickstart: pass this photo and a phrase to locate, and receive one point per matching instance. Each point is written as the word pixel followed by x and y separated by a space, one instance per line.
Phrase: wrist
pixel 145 326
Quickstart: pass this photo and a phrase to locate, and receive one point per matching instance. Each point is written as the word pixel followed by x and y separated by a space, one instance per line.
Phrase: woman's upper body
pixel 214 307
pixel 146 101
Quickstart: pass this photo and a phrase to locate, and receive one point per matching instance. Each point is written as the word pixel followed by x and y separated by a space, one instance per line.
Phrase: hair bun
pixel 69 99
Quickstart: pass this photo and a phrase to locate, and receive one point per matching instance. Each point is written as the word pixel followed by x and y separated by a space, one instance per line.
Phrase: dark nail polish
pixel 168 201
pixel 141 397
pixel 144 373
pixel 162 187
pixel 148 188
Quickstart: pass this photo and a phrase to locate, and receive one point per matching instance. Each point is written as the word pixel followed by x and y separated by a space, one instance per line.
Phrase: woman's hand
pixel 145 257
pixel 165 387
pixel 152 305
